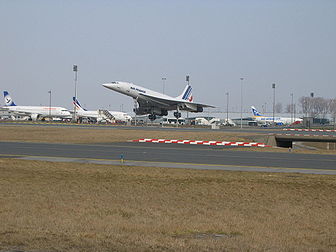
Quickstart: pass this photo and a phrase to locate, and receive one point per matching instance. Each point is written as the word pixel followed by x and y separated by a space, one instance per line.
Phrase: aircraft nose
pixel 107 85
pixel 111 85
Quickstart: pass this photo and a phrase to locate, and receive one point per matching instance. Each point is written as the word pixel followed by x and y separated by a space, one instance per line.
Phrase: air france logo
pixel 139 90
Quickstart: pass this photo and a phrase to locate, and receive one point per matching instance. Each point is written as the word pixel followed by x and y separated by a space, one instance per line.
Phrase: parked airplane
pixel 277 120
pixel 34 112
pixel 100 115
pixel 154 103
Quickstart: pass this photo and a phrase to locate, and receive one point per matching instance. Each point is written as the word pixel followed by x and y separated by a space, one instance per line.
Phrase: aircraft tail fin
pixel 77 104
pixel 8 99
pixel 186 94
pixel 255 111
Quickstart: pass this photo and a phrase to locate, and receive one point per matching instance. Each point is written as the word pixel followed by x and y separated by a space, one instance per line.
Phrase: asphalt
pixel 173 155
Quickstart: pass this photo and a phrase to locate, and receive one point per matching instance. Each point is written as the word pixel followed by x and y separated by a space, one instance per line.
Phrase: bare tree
pixel 305 104
pixel 278 107
pixel 289 108
pixel 318 106
pixel 332 109
pixel 321 106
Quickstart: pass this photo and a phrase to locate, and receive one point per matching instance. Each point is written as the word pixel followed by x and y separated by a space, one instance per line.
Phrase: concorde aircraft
pixel 155 103
pixel 34 112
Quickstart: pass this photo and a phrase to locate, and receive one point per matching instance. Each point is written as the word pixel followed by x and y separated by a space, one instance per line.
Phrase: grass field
pixel 105 135
pixel 80 207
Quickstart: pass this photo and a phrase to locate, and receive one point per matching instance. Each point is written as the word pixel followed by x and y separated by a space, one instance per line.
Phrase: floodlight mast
pixel 163 84
pixel 241 102
pixel 273 87
pixel 49 92
pixel 292 108
pixel 227 108
pixel 75 70
pixel 187 80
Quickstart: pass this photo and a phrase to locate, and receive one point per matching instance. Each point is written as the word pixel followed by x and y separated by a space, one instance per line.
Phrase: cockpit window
pixel 114 82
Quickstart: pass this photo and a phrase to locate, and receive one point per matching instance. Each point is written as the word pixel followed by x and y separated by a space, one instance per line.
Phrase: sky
pixel 290 43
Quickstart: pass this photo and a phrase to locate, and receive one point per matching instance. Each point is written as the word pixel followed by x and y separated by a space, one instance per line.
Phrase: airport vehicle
pixel 100 115
pixel 34 112
pixel 154 103
pixel 268 120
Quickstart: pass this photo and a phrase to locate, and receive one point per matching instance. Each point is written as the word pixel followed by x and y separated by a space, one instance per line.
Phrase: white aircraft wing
pixel 145 98
pixel 168 102
pixel 200 104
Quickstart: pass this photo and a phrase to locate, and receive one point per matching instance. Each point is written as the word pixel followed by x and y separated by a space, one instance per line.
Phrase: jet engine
pixel 34 117
pixel 150 110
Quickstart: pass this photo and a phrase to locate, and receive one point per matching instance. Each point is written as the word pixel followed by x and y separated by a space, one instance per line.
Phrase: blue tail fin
pixel 77 104
pixel 8 100
pixel 186 94
pixel 255 112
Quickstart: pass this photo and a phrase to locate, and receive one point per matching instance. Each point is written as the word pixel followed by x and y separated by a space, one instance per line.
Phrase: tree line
pixel 311 106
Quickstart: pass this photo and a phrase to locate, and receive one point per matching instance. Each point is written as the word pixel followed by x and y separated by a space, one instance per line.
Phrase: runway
pixel 173 155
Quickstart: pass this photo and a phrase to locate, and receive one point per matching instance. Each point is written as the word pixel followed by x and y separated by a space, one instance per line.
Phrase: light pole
pixel 292 109
pixel 241 102
pixel 311 108
pixel 187 80
pixel 273 87
pixel 163 84
pixel 49 92
pixel 227 108
pixel 75 70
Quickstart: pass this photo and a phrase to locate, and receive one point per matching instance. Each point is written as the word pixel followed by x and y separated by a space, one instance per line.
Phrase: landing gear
pixel 135 110
pixel 177 115
pixel 152 117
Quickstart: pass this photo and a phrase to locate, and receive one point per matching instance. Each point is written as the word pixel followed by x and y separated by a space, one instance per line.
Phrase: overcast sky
pixel 290 43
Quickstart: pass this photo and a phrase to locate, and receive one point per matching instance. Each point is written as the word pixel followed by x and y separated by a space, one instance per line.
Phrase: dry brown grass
pixel 80 207
pixel 287 150
pixel 104 135
pixel 322 146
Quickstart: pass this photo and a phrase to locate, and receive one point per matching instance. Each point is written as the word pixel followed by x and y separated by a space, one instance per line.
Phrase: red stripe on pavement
pixel 223 143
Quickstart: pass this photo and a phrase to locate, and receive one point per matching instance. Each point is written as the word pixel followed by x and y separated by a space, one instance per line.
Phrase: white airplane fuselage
pixel 39 111
pixel 34 112
pixel 118 116
pixel 262 119
pixel 277 120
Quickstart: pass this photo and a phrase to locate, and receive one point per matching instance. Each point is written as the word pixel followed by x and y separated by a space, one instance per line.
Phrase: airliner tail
pixel 8 99
pixel 77 104
pixel 255 111
pixel 186 94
